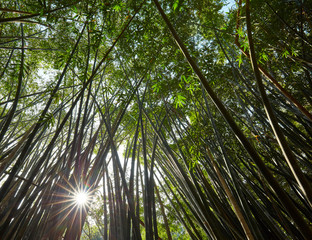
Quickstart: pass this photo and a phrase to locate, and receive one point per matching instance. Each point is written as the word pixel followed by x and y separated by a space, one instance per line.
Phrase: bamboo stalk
pixel 232 199
pixel 265 73
pixel 289 156
pixel 289 205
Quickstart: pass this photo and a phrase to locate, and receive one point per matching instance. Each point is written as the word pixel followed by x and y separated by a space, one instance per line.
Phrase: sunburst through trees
pixel 212 106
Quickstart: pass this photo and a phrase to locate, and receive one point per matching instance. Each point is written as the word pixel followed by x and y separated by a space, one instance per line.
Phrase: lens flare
pixel 70 202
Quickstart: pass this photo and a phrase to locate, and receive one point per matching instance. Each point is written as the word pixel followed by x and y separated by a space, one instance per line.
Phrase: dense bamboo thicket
pixel 181 119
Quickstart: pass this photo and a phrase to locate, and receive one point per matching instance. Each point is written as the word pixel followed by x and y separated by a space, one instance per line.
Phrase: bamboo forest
pixel 154 119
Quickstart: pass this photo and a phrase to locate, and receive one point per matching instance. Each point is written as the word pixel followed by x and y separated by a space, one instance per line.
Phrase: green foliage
pixel 179 101
pixel 137 92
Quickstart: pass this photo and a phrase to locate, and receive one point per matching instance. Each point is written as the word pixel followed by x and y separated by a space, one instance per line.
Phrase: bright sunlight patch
pixel 81 198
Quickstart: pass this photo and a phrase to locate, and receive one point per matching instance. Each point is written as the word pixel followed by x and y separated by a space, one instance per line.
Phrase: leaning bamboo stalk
pixel 266 74
pixel 18 90
pixel 278 86
pixel 288 154
pixel 7 198
pixel 232 199
pixel 282 195
pixel 27 16
pixel 293 30
pixel 14 11
pixel 9 158
pixel 27 145
pixel 22 178
pixel 162 209
pixel 32 22
pixel 202 213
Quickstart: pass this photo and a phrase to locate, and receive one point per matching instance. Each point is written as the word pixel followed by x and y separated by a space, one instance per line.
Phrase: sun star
pixel 81 198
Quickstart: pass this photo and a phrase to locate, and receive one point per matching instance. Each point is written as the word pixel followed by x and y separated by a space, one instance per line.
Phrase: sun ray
pixel 64 208
pixel 72 200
